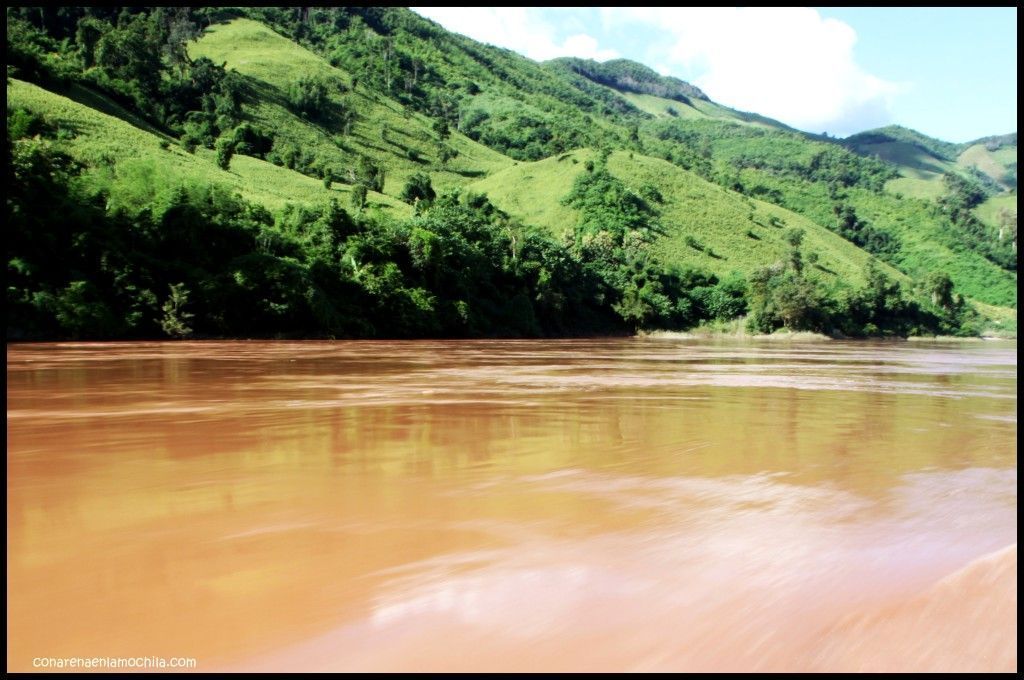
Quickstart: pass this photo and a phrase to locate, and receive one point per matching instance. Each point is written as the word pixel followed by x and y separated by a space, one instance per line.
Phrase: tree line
pixel 198 260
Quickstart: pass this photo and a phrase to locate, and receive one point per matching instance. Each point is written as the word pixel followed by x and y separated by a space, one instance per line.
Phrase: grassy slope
pixel 698 108
pixel 714 110
pixel 921 160
pixel 659 106
pixel 101 138
pixel 913 187
pixel 989 211
pixel 272 62
pixel 102 103
pixel 912 160
pixel 926 246
pixel 921 178
pixel 925 249
pixel 897 133
pixel 992 163
pixel 995 164
pixel 1001 319
pixel 532 192
pixel 717 218
pixel 921 172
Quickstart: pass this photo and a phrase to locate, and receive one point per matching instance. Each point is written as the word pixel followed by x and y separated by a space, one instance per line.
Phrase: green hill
pixel 987 166
pixel 494 96
pixel 816 178
pixel 629 76
pixel 326 167
pixel 696 109
pixel 919 161
pixel 997 161
pixel 382 129
pixel 732 232
pixel 114 147
pixel 654 94
pixel 922 160
pixel 936 148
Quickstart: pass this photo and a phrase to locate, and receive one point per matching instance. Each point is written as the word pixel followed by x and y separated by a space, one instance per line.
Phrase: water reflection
pixel 593 504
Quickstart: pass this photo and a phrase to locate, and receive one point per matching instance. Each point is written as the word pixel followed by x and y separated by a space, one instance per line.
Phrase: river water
pixel 645 504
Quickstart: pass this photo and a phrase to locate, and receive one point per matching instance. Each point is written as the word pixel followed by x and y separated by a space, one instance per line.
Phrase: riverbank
pixel 737 329
pixel 704 334
pixel 732 329
pixel 953 338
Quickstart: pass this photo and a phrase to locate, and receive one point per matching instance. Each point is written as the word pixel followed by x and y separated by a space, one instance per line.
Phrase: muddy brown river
pixel 643 504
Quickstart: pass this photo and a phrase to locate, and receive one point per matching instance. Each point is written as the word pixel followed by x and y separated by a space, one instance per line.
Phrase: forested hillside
pixel 362 172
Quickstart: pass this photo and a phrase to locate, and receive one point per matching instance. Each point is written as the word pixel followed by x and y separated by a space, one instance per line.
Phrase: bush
pixel 22 123
pixel 358 199
pixel 417 189
pixel 175 320
pixel 308 96
pixel 225 150
pixel 251 140
pixel 370 175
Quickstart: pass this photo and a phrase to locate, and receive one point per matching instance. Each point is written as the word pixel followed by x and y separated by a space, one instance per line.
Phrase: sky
pixel 950 73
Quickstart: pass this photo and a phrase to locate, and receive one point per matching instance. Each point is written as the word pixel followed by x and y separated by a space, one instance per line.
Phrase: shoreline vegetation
pixel 738 329
pixel 735 330
pixel 808 336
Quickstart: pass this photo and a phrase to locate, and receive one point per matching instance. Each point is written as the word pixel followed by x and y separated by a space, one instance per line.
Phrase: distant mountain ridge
pixel 897 133
pixel 631 76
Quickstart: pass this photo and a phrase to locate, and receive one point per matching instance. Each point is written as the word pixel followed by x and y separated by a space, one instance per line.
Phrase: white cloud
pixel 582 45
pixel 522 29
pixel 785 63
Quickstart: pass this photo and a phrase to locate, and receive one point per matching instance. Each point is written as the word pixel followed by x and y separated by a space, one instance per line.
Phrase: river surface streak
pixel 629 504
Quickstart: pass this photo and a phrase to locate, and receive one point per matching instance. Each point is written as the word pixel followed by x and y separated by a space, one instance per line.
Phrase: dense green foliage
pixel 137 57
pixel 786 295
pixel 606 204
pixel 197 259
pixel 962 196
pixel 418 190
pixel 855 230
